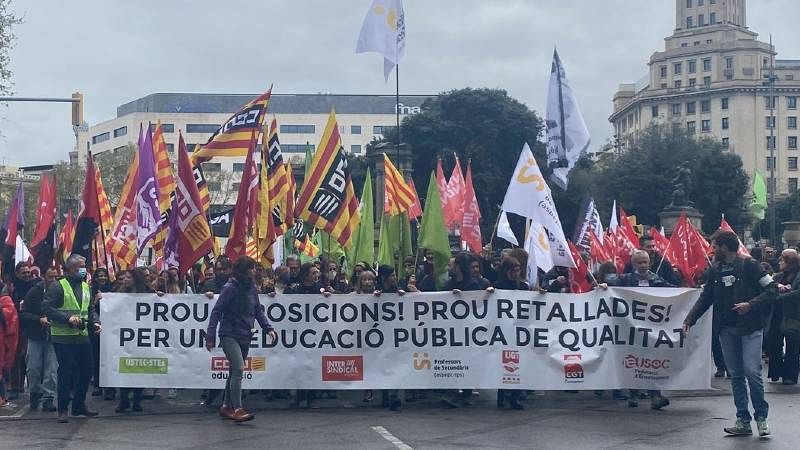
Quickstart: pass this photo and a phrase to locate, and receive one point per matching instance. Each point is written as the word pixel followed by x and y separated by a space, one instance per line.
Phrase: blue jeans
pixel 743 361
pixel 42 367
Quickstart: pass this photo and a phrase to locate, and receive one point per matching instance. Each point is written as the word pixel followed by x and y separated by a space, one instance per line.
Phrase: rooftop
pixel 279 103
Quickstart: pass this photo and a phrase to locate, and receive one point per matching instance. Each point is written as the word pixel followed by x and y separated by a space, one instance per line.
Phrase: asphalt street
pixel 550 420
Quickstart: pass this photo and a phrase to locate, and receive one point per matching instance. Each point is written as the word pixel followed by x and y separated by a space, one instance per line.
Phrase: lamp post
pixel 771 78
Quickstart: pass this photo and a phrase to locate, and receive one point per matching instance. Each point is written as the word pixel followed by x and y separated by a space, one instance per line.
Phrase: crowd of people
pixel 51 321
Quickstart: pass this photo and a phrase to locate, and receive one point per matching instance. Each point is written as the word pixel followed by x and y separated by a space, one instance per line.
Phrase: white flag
pixel 277 253
pixel 614 222
pixel 384 32
pixel 567 136
pixel 528 195
pixel 21 252
pixel 538 245
pixel 504 229
pixel 590 221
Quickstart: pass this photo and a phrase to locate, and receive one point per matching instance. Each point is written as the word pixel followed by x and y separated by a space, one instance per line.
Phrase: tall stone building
pixel 712 78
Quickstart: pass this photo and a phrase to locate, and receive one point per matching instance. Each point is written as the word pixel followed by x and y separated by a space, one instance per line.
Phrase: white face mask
pixel 82 273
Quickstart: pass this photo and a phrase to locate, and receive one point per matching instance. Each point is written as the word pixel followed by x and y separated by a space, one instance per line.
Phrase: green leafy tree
pixel 113 166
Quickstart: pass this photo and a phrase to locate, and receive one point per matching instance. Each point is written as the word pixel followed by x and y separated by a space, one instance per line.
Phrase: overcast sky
pixel 116 51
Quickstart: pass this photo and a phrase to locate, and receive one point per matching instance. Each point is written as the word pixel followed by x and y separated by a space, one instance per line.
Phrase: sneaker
pixel 741 428
pixel 763 428
pixel 658 403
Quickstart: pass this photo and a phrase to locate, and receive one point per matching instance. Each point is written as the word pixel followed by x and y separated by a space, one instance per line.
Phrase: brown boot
pixel 226 412
pixel 240 415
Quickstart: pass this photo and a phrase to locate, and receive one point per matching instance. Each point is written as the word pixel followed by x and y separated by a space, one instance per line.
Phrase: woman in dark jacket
pixel 237 309
pixel 509 277
pixel 101 282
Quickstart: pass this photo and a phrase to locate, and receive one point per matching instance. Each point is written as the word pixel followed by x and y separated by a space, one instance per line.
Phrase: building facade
pixel 301 122
pixel 713 79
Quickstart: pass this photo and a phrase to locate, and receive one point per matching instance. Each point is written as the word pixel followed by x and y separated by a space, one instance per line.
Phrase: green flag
pixel 395 241
pixel 759 204
pixel 363 248
pixel 433 233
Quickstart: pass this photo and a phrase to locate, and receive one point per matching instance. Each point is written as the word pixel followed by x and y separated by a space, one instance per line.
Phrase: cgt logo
pixel 251 364
pixel 421 361
pixel 573 370
pixel 637 362
pixel 343 368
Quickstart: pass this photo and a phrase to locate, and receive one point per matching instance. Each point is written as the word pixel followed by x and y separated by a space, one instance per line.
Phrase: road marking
pixel 392 438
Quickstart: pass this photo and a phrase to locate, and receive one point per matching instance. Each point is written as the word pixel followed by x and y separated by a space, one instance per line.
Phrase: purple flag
pixel 148 216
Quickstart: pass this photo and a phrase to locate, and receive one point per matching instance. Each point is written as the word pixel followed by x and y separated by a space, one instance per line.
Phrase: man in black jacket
pixel 741 293
pixel 40 359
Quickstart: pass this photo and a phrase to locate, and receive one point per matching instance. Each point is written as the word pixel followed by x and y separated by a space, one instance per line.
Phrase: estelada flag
pixel 234 136
pixel 189 237
pixel 327 200
pixel 398 196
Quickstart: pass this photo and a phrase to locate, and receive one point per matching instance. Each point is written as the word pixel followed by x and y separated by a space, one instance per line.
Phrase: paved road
pixel 550 420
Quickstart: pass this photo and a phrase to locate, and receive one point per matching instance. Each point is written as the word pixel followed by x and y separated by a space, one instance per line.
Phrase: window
pixel 691 66
pixel 705 106
pixel 709 41
pixel 677 84
pixel 791 122
pixel 725 123
pixel 792 184
pixel 690 127
pixel 663 70
pixel 676 126
pixel 792 142
pixel 706 64
pixel 791 102
pixel 689 22
pixel 792 161
pixel 705 126
pixel 684 44
pixel 235 186
pixel 770 121
pixel 191 147
pixel 724 103
pixel 688 3
pixel 676 109
pixel 712 18
pixel 701 20
pixel 690 107
pixel 382 129
pixel 725 142
pixel 214 186
pixel 692 82
pixel 677 68
pixel 212 167
pixel 707 81
pixel 170 148
pixel 713 2
pixel 297 129
pixel 770 162
pixel 699 2
pixel 296 148
pixel 101 138
pixel 121 131
pixel 238 167
pixel 202 127
pixel 770 142
pixel 165 127
pixel 355 129
pixel 355 148
pixel 654 111
pixel 770 102
pixel 663 85
pixel 729 62
pixel 696 43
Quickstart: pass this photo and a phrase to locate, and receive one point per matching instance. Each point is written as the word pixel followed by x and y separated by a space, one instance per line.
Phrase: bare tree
pixel 7 21
pixel 221 188
pixel 113 166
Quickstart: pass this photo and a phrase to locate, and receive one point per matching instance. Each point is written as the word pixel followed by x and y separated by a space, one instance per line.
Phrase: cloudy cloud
pixel 117 51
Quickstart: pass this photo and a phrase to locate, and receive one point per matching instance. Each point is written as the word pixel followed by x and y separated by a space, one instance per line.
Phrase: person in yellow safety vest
pixel 67 306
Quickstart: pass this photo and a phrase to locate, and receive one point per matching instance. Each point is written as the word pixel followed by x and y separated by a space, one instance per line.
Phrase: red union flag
pixel 454 196
pixel 688 249
pixel 725 226
pixel 189 237
pixel 470 222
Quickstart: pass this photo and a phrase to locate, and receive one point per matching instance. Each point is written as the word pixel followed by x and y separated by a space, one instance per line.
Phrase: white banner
pixel 617 338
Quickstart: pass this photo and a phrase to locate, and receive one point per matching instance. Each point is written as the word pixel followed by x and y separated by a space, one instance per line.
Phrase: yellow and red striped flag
pixel 327 200
pixel 121 241
pixel 166 188
pixel 233 138
pixel 398 195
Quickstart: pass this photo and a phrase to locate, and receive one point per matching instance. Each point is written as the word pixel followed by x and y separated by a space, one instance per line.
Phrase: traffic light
pixel 77 109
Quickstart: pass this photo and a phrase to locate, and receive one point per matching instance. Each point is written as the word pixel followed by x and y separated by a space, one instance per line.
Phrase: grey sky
pixel 116 51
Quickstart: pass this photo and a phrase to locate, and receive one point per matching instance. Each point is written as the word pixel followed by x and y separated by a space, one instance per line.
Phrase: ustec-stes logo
pixel 343 368
pixel 251 364
pixel 573 370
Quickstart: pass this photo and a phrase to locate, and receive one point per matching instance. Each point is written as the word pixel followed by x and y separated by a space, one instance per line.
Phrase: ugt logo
pixel 421 361
pixel 573 370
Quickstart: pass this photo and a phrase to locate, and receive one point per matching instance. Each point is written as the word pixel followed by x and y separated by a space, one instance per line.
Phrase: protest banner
pixel 615 338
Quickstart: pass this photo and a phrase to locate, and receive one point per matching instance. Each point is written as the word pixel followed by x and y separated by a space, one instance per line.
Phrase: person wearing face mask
pixel 66 306
pixel 101 282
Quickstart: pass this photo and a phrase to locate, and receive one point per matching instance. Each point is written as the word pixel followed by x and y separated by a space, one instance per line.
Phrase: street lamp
pixel 770 79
